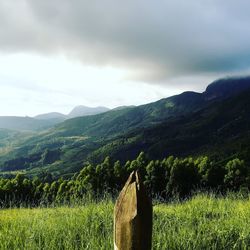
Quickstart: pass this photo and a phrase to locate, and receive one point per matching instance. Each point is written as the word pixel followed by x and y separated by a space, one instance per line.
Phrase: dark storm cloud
pixel 154 39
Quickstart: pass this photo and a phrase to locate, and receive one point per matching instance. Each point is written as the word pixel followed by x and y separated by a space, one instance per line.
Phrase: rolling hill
pixel 214 122
pixel 45 121
pixel 84 111
pixel 26 123
pixel 51 115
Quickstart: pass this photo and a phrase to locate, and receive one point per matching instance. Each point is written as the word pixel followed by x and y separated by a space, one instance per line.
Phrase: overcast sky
pixel 57 54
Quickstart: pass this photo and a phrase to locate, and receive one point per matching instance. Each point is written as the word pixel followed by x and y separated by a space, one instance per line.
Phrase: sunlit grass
pixel 203 222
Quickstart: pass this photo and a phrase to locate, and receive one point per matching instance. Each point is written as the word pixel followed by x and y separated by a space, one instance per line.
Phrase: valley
pixel 214 123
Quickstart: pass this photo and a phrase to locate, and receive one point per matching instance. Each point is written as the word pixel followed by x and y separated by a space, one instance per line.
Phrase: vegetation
pixel 26 123
pixel 169 179
pixel 65 168
pixel 80 227
pixel 213 123
pixel 204 222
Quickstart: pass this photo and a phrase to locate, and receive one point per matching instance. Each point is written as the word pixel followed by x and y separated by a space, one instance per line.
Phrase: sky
pixel 58 54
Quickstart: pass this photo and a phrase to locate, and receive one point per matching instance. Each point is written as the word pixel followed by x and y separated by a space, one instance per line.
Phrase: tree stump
pixel 133 217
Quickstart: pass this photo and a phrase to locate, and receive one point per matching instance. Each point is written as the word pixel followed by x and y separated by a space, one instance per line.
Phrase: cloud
pixel 154 40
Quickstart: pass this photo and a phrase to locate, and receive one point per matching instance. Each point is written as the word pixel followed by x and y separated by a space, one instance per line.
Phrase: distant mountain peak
pixel 196 123
pixel 51 115
pixel 82 110
pixel 226 87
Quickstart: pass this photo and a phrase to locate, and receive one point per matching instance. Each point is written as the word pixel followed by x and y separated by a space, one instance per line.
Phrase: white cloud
pixel 56 54
pixel 43 84
pixel 153 39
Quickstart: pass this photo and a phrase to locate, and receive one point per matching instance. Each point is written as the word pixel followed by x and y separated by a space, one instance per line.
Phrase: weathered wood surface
pixel 133 217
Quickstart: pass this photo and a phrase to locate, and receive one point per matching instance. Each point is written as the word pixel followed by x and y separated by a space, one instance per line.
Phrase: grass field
pixel 203 222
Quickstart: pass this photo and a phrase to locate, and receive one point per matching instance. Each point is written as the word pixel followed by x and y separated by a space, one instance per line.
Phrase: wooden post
pixel 133 217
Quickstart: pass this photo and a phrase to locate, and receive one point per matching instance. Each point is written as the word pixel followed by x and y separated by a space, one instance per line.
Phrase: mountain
pixel 25 123
pixel 51 115
pixel 45 121
pixel 215 122
pixel 226 87
pixel 78 111
pixel 119 121
pixel 123 107
pixel 85 111
pixel 116 122
pixel 221 130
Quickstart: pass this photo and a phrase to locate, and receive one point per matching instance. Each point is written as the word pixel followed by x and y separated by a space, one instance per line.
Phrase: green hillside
pixel 75 140
pixel 221 129
pixel 27 123
pixel 215 122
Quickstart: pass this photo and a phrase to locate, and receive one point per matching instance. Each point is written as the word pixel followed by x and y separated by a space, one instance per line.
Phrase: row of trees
pixel 167 178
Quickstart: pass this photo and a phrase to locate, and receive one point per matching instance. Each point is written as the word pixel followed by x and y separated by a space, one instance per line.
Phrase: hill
pixel 45 121
pixel 116 122
pixel 25 123
pixel 51 115
pixel 84 111
pixel 222 129
pixel 214 122
pixel 77 111
pixel 226 87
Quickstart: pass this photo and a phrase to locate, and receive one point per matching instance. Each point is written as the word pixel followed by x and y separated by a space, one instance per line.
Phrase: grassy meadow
pixel 203 222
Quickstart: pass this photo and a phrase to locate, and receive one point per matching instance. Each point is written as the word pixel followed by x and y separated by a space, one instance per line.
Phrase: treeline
pixel 168 178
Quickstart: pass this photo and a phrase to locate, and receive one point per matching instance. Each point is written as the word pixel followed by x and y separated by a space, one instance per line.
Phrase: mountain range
pixel 215 122
pixel 45 121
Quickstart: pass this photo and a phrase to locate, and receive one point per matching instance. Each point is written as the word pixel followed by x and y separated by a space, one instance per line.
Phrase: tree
pixel 140 164
pixel 236 174
pixel 155 178
pixel 184 177
pixel 212 175
pixel 120 174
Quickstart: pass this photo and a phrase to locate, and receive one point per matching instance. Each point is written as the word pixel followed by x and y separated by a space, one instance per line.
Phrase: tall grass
pixel 203 222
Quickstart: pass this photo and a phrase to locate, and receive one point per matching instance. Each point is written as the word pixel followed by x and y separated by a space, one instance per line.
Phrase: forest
pixel 165 179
